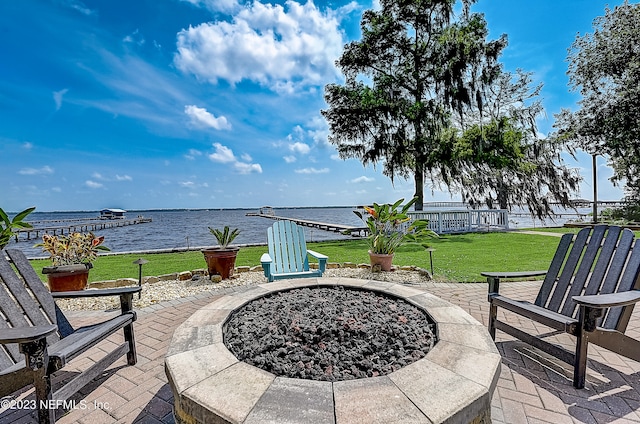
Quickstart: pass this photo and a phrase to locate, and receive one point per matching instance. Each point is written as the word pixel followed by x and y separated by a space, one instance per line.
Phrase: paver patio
pixel 533 388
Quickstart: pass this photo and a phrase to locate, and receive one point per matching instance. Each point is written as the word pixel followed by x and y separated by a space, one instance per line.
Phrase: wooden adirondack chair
pixel 589 292
pixel 36 340
pixel 288 255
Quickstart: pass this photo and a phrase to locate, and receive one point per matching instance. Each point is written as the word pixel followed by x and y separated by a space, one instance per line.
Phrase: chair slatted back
pixel 601 260
pixel 40 292
pixel 287 247
pixel 24 302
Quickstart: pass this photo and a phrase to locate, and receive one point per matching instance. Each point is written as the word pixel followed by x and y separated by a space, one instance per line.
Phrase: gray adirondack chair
pixel 37 340
pixel 589 292
pixel 288 255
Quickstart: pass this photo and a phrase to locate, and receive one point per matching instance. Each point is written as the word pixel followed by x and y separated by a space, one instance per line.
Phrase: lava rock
pixel 329 333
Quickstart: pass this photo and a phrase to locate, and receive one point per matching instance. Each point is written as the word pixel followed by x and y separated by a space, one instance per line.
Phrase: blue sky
pixel 151 104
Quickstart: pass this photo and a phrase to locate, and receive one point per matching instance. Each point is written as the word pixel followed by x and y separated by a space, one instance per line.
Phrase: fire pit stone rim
pixel 199 395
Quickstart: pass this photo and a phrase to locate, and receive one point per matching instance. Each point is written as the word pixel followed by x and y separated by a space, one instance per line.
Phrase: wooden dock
pixel 74 225
pixel 336 228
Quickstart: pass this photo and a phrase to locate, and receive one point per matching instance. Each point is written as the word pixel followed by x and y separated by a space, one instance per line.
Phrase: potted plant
pixel 389 228
pixel 221 260
pixel 8 225
pixel 72 257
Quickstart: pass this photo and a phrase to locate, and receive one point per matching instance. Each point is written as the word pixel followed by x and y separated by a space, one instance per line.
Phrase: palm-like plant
pixel 225 236
pixel 389 226
pixel 7 226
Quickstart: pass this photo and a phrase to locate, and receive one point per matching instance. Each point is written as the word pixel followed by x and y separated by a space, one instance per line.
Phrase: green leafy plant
pixel 7 226
pixel 76 248
pixel 225 236
pixel 389 227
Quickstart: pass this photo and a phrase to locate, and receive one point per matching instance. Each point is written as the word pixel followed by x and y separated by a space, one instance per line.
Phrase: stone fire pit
pixel 453 383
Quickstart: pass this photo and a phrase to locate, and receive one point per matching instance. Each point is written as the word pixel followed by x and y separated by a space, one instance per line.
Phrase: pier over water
pixel 269 213
pixel 67 226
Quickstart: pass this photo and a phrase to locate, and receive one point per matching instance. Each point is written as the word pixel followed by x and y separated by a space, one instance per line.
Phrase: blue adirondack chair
pixel 288 256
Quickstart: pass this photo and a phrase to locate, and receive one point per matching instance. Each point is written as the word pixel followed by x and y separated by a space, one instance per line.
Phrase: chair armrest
pixel 322 260
pixel 125 293
pixel 116 291
pixel 493 278
pixel 266 262
pixel 317 255
pixel 26 334
pixel 265 258
pixel 513 274
pixel 601 301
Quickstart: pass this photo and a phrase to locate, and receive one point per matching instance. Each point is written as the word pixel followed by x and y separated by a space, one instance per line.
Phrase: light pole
pixel 140 262
pixel 595 188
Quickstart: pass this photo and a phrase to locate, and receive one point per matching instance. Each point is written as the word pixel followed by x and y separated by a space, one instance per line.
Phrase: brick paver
pixel 533 387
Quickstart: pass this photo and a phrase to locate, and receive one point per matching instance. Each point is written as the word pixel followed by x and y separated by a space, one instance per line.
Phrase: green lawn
pixel 458 258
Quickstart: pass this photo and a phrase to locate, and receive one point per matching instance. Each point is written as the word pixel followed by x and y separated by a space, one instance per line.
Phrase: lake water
pixel 180 229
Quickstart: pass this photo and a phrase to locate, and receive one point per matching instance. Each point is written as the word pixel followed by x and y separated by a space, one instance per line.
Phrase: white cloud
pixel 362 179
pixel 193 153
pixel 300 148
pixel 79 7
pixel 215 5
pixel 312 171
pixel 247 168
pixel 200 118
pixel 27 145
pixel 289 159
pixel 99 176
pixel 319 131
pixel 45 170
pixel 223 154
pixel 281 47
pixel 93 184
pixel 57 97
pixel 134 37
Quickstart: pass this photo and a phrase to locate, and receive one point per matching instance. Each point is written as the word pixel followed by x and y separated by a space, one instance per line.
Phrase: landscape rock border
pixel 454 383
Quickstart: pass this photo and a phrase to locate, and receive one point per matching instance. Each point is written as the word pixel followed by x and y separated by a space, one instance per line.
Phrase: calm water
pixel 171 229
pixel 179 229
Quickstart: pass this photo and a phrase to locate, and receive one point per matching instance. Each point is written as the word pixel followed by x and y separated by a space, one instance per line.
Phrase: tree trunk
pixel 503 196
pixel 419 183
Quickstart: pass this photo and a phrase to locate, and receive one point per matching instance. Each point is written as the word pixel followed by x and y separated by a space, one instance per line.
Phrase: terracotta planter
pixel 221 261
pixel 67 277
pixel 380 259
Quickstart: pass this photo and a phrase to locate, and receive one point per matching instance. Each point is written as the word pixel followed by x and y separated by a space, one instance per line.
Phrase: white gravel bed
pixel 169 290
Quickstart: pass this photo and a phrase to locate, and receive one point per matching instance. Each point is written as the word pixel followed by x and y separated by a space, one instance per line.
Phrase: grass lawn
pixel 456 258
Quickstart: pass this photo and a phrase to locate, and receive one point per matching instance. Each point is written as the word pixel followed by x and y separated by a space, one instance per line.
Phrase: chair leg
pixel 587 318
pixel 493 313
pixel 37 360
pixel 126 305
pixel 132 356
pixel 494 288
pixel 580 365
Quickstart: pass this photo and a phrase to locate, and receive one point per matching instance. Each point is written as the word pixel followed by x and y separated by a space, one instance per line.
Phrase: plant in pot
pixel 221 260
pixel 389 227
pixel 72 257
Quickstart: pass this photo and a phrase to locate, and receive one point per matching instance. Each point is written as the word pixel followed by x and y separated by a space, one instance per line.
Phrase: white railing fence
pixel 447 222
